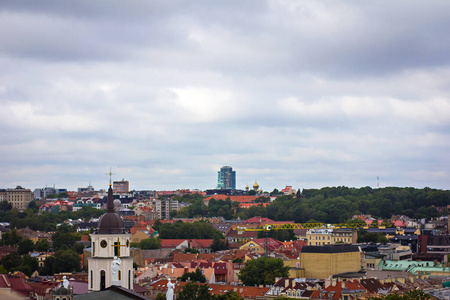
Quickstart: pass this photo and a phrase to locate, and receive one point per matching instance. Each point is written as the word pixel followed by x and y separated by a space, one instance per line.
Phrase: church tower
pixel 110 262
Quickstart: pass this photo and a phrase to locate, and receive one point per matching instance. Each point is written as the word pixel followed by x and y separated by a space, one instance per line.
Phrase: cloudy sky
pixel 302 93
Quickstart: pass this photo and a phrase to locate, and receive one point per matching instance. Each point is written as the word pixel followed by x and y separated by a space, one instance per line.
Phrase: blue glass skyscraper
pixel 226 178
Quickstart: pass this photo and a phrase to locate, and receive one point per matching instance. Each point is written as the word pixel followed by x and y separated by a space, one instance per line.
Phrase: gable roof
pixel 171 243
pixel 201 243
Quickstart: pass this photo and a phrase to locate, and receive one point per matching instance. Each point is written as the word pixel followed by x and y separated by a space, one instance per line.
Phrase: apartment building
pixel 165 206
pixel 19 197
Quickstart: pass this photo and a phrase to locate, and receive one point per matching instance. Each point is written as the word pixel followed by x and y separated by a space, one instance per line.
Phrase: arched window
pixel 102 280
pixel 118 277
pixel 92 278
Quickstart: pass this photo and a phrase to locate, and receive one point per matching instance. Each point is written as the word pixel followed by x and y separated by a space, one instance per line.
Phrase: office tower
pixel 226 178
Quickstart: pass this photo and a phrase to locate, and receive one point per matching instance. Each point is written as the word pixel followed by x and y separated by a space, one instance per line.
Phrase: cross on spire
pixel 110 173
pixel 117 246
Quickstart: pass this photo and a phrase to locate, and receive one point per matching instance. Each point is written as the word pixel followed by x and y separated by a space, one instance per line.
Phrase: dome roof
pixel 256 184
pixel 110 222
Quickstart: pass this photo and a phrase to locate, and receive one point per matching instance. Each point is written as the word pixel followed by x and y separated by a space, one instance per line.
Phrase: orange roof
pixel 248 205
pixel 399 223
pixel 179 257
pixel 201 243
pixel 171 243
pixel 244 198
pixel 253 292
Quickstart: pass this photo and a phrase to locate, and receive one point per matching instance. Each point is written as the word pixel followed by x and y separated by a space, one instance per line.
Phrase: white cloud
pixel 306 93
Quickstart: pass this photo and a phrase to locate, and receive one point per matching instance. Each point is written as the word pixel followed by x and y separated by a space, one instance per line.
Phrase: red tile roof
pixel 16 284
pixel 171 243
pixel 220 268
pixel 201 243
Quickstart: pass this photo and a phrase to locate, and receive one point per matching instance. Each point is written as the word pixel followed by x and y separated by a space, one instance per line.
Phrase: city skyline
pixel 308 94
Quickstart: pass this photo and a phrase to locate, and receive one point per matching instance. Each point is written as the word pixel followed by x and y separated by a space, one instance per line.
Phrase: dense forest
pixel 332 205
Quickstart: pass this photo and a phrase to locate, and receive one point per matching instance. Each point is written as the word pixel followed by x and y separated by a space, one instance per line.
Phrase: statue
pixel 65 282
pixel 115 266
pixel 170 287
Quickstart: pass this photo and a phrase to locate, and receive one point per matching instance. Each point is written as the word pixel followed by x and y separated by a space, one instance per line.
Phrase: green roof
pixel 405 265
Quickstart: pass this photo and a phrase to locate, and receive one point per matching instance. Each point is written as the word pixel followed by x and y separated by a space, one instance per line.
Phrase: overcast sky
pixel 287 92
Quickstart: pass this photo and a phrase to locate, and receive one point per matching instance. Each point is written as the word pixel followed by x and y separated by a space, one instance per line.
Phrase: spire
pixel 110 204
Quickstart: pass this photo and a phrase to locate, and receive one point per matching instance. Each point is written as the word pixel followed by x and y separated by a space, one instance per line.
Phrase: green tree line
pixel 332 205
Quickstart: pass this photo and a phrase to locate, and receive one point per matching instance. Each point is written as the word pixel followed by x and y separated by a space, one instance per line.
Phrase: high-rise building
pixel 226 178
pixel 165 206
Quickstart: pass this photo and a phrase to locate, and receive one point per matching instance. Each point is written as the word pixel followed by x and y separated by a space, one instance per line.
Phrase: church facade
pixel 110 263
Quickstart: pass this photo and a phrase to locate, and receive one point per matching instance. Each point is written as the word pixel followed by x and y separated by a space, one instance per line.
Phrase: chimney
pixel 342 284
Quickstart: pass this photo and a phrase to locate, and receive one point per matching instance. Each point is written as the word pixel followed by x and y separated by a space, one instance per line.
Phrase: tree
pixel 78 248
pixel 42 245
pixel 194 291
pixel 11 262
pixel 409 295
pixel 64 236
pixel 29 265
pixel 196 276
pixel 66 261
pixel 157 225
pixel 191 250
pixel 25 246
pixel 219 245
pixel 150 243
pixel 5 206
pixel 237 260
pixel 416 295
pixel 10 238
pixel 275 192
pixel 228 296
pixel 3 270
pixel 263 271
pixel 47 269
pixel 161 296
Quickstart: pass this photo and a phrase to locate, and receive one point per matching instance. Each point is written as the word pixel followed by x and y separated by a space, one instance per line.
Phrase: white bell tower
pixel 110 262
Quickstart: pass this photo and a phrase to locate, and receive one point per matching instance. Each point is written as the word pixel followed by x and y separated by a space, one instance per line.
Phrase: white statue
pixel 65 282
pixel 115 266
pixel 170 287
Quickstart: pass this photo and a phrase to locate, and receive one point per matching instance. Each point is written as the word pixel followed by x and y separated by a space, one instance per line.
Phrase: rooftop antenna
pixel 378 182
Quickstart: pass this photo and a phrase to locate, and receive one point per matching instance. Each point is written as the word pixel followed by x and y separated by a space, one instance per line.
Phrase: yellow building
pixel 19 197
pixel 139 236
pixel 325 261
pixel 322 237
pixel 253 247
